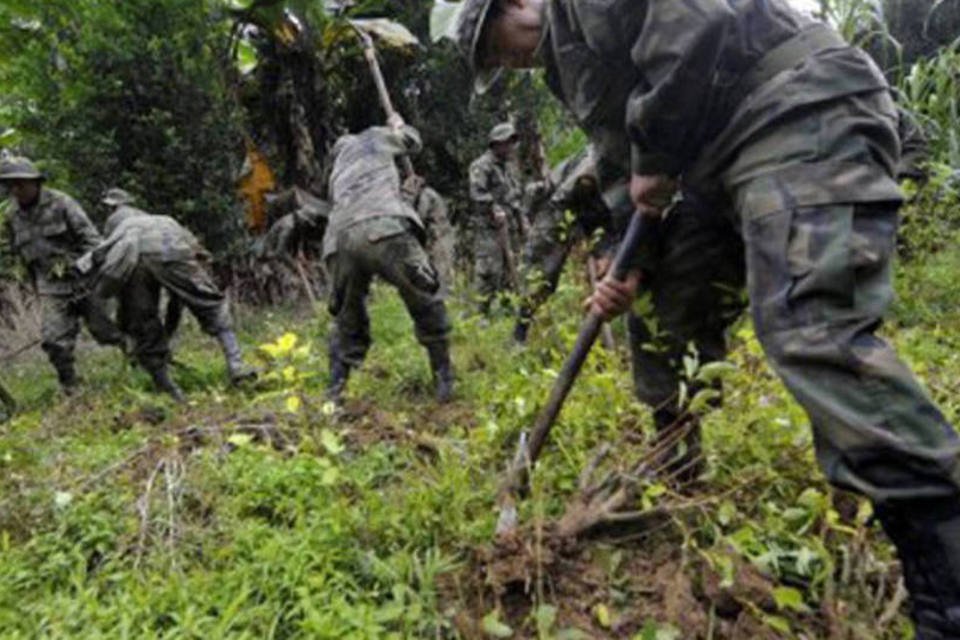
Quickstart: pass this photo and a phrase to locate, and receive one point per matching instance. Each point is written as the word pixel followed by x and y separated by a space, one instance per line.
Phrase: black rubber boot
pixel 680 456
pixel 163 382
pixel 67 376
pixel 442 370
pixel 927 536
pixel 339 373
pixel 237 371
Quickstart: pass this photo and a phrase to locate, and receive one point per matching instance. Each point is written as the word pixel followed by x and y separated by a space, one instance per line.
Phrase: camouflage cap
pixel 115 196
pixel 470 25
pixel 503 132
pixel 19 168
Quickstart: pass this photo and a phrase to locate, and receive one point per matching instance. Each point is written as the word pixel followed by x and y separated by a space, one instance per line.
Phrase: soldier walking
pixel 790 133
pixel 497 219
pixel 145 254
pixel 372 232
pixel 48 231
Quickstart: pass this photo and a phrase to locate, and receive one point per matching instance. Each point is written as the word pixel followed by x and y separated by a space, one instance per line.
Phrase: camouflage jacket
pixel 365 182
pixel 666 87
pixel 494 182
pixel 142 237
pixel 49 237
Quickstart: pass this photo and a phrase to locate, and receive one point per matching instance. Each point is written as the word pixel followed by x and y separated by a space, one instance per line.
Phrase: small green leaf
pixel 603 616
pixel 492 626
pixel 789 598
pixel 331 442
pixel 240 439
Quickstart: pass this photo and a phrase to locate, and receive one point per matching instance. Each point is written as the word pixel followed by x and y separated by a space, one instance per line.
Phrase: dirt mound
pixel 605 590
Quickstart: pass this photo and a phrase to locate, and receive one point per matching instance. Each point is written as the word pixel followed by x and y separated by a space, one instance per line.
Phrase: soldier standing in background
pixel 48 231
pixel 792 134
pixel 497 219
pixel 373 231
pixel 143 255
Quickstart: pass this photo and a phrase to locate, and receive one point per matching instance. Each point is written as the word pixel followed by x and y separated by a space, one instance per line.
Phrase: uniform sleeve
pixel 80 225
pixel 676 52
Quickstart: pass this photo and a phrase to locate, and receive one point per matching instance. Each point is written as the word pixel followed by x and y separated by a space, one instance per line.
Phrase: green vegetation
pixel 265 514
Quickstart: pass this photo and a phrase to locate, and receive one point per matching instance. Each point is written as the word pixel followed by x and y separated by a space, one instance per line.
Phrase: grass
pixel 251 514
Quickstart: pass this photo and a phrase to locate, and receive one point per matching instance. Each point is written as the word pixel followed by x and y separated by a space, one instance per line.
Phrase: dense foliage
pixel 126 93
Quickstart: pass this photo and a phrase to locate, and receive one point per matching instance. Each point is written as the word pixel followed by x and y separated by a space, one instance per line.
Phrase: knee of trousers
pixel 350 344
pixel 58 353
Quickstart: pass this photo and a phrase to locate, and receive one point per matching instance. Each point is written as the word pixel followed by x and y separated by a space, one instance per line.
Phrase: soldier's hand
pixel 651 194
pixel 612 297
pixel 499 216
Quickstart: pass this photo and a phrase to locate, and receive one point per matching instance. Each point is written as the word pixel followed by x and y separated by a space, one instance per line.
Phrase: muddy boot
pixel 339 372
pixel 163 382
pixel 442 370
pixel 680 458
pixel 237 371
pixel 927 536
pixel 67 376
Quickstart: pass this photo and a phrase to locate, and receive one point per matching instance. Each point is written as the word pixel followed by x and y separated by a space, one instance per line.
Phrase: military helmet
pixel 470 23
pixel 503 132
pixel 19 168
pixel 115 196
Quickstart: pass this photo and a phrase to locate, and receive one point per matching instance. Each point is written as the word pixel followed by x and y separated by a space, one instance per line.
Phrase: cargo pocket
pixel 820 261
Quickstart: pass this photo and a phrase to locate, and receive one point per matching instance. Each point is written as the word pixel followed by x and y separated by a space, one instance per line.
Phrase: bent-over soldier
pixel 145 254
pixel 785 129
pixel 373 232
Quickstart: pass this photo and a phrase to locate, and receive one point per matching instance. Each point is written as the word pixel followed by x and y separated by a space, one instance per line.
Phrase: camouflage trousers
pixel 818 279
pixel 389 249
pixel 490 271
pixel 819 284
pixel 189 284
pixel 61 325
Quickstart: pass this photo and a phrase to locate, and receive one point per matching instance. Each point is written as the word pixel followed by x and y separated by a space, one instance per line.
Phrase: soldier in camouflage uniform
pixel 300 219
pixel 496 195
pixel 143 255
pixel 48 231
pixel 432 209
pixel 372 232
pixel 565 209
pixel 792 134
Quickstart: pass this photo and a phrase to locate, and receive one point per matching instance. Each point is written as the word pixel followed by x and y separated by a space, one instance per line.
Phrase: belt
pixel 787 55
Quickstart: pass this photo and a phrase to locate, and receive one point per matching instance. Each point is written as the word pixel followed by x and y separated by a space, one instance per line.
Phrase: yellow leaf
pixel 293 404
pixel 289 374
pixel 603 616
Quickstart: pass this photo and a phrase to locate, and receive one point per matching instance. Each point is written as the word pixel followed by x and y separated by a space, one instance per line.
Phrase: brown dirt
pixel 611 591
